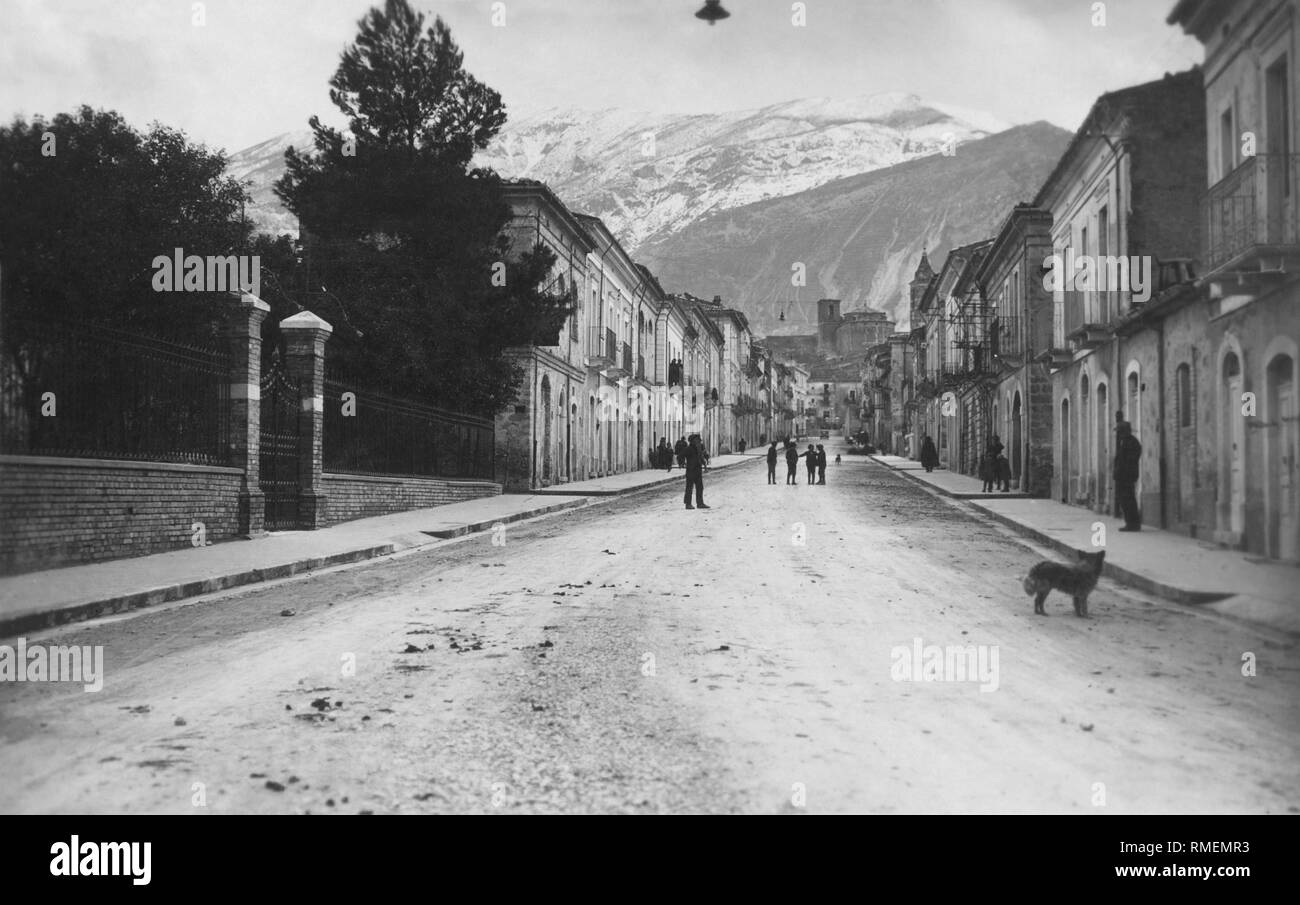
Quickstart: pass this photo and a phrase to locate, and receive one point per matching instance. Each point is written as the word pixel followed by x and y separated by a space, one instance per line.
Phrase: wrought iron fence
pixel 87 391
pixel 371 433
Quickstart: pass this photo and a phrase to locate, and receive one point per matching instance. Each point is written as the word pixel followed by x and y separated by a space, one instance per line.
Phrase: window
pixel 1227 144
pixel 1109 297
pixel 1277 106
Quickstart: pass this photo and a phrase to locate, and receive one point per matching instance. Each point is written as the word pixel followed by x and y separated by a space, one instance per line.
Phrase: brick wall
pixel 351 497
pixel 59 512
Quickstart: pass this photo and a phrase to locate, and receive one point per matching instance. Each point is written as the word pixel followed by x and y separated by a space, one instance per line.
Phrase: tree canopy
pixel 404 242
pixel 89 202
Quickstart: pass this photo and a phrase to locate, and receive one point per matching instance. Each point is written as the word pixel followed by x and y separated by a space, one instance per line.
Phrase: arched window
pixel 1133 400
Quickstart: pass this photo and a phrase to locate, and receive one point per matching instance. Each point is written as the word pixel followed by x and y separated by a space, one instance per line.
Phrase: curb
pixel 82 610
pixel 122 603
pixel 473 527
pixel 1109 570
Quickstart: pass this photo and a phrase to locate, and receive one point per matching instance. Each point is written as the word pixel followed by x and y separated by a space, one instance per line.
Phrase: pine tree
pixel 404 235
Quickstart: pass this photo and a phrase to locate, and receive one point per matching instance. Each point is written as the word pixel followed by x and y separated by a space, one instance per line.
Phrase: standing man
pixel 680 450
pixel 810 462
pixel 791 463
pixel 771 463
pixel 695 459
pixel 1128 461
pixel 821 464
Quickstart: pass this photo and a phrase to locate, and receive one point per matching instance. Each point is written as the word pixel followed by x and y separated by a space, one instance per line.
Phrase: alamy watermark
pixel 214 273
pixel 954 663
pixel 1069 272
pixel 51 663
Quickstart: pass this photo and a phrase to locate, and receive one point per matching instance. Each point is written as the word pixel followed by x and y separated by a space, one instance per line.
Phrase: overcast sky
pixel 261 67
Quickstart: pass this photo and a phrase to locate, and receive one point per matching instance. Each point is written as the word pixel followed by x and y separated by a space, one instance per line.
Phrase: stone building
pixel 849 334
pixel 1015 325
pixel 1123 199
pixel 597 401
pixel 1222 354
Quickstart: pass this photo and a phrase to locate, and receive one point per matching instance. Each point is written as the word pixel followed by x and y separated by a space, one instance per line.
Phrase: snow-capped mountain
pixel 650 175
pixel 722 203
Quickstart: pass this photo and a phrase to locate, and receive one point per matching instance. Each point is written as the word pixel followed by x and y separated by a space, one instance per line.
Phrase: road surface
pixel 638 657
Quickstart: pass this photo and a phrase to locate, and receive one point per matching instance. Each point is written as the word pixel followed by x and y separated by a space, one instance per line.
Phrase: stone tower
pixel 920 280
pixel 828 321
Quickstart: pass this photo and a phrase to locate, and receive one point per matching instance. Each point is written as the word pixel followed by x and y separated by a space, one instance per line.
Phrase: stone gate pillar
pixel 242 332
pixel 305 335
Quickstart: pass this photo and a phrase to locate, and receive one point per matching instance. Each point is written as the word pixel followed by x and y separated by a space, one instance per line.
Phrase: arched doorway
pixel 548 462
pixel 1018 464
pixel 1103 430
pixel 1066 477
pixel 1232 473
pixel 1085 489
pixel 1284 442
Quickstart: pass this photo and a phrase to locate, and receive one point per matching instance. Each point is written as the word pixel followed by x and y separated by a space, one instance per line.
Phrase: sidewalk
pixel 1163 563
pixel 37 600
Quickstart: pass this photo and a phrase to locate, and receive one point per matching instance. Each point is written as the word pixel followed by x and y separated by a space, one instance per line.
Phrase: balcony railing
pixel 602 346
pixel 1257 205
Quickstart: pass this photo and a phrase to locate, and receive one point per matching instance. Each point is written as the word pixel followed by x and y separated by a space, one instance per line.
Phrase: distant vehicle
pixel 825 435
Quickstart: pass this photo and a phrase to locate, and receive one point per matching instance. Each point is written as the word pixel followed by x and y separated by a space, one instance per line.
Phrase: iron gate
pixel 278 446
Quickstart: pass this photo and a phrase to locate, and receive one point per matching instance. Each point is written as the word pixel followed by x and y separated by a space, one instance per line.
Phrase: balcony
pixel 1251 218
pixel 620 362
pixel 601 348
pixel 1089 336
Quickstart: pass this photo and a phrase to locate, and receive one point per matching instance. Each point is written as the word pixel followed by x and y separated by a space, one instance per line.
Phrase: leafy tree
pixel 89 202
pixel 404 241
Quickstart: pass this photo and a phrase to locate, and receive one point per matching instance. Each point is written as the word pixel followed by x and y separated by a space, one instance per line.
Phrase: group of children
pixel 815 460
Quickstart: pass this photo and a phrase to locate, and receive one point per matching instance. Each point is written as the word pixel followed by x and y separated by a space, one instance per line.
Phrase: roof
pixel 542 190
pixel 1108 106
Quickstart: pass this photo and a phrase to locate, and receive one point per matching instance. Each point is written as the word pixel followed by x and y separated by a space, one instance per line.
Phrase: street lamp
pixel 712 12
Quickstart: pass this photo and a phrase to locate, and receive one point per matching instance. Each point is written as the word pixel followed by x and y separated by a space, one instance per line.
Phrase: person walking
pixel 680 449
pixel 741 445
pixel 929 455
pixel 821 464
pixel 665 460
pixel 986 472
pixel 1002 472
pixel 695 459
pixel 771 463
pixel 1128 464
pixel 811 463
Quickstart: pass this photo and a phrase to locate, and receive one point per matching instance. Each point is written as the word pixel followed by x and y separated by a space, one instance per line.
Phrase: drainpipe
pixel 1160 368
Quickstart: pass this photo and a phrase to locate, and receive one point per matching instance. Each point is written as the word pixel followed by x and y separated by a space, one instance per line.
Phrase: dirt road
pixel 638 657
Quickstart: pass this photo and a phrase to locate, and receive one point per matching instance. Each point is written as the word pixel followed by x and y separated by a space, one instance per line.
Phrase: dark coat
pixel 695 459
pixel 681 447
pixel 821 459
pixel 1003 470
pixel 1128 459
pixel 929 455
pixel 771 455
